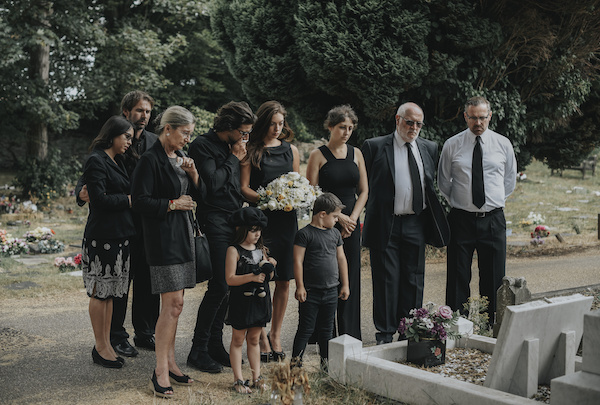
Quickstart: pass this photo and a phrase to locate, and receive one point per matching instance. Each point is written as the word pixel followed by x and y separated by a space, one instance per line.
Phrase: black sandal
pixel 158 390
pixel 244 384
pixel 181 379
pixel 266 357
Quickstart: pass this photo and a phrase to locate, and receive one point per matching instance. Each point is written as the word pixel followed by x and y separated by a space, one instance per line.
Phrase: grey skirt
pixel 175 277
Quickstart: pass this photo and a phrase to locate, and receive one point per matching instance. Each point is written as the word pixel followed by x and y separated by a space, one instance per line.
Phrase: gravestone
pixel 582 387
pixel 513 291
pixel 537 342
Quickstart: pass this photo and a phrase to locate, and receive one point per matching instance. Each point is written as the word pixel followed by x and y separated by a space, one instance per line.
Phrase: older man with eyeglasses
pixel 403 214
pixel 477 173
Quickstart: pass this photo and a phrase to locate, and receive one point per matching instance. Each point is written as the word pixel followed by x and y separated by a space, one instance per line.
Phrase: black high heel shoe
pixel 105 363
pixel 181 379
pixel 277 356
pixel 158 390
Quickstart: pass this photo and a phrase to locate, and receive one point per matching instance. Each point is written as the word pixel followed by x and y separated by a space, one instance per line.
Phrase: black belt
pixel 478 214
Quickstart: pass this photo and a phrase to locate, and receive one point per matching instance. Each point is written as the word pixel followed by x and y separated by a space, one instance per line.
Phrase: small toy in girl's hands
pixel 265 267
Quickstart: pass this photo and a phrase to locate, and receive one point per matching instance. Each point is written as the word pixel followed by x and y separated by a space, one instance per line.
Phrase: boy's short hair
pixel 327 202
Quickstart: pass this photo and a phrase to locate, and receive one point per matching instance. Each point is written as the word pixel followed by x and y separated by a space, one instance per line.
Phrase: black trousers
pixel 487 235
pixel 316 314
pixel 398 273
pixel 145 305
pixel 212 309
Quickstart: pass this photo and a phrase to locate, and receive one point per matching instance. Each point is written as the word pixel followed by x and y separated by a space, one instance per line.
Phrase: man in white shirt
pixel 476 174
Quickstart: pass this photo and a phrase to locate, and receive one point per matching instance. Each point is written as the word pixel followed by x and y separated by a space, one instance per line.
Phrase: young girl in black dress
pixel 249 304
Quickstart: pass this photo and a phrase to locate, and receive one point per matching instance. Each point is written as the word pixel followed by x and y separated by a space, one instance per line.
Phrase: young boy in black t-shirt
pixel 320 267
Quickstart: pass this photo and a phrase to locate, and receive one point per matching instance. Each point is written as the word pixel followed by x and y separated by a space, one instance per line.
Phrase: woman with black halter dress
pixel 339 168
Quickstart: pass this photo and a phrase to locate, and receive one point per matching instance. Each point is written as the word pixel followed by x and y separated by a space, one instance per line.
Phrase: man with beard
pixel 477 173
pixel 136 107
pixel 403 214
pixel 217 155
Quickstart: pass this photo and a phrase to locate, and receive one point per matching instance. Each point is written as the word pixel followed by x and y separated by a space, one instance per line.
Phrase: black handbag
pixel 203 264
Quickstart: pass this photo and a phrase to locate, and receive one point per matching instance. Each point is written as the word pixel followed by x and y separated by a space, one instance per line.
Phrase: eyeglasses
pixel 244 133
pixel 478 118
pixel 410 123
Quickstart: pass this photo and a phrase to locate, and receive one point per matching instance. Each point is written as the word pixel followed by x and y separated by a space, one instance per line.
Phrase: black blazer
pixel 150 140
pixel 108 186
pixel 379 161
pixel 165 234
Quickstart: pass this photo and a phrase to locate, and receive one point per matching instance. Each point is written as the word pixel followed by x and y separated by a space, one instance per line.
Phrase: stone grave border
pixel 376 369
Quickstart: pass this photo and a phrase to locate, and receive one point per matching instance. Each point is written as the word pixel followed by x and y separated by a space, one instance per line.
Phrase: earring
pixel 168 134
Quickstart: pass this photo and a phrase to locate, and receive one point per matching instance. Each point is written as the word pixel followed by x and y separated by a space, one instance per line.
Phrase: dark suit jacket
pixel 165 234
pixel 108 186
pixel 150 139
pixel 379 161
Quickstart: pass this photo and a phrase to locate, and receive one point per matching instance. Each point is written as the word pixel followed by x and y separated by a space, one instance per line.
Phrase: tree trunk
pixel 39 72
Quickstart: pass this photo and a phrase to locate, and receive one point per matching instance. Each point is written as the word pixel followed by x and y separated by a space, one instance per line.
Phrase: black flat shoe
pixel 124 348
pixel 220 355
pixel 181 379
pixel 158 390
pixel 103 362
pixel 200 360
pixel 121 359
pixel 147 343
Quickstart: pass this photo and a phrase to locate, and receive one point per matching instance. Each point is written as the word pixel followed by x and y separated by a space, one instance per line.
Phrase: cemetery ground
pixel 46 336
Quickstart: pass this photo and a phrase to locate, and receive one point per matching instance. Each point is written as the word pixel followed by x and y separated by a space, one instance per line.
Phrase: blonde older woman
pixel 162 182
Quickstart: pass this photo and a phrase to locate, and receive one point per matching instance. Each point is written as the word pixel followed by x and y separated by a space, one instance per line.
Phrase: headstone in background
pixel 513 291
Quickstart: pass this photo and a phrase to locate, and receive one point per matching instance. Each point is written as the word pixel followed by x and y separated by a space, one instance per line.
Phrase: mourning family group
pixel 147 197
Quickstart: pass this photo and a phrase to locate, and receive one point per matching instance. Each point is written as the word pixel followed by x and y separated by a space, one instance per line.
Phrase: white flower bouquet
pixel 288 192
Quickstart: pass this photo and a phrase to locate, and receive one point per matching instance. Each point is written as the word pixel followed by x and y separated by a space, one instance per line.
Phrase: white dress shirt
pixel 402 181
pixel 499 170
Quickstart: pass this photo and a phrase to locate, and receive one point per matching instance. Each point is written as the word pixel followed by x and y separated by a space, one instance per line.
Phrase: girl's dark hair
pixel 241 232
pixel 339 114
pixel 232 115
pixel 115 126
pixel 256 143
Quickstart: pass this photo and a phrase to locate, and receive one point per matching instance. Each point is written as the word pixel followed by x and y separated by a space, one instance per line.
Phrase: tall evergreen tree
pixel 533 59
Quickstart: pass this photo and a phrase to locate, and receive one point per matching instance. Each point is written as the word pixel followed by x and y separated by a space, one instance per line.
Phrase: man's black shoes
pixel 200 360
pixel 220 355
pixel 124 348
pixel 147 343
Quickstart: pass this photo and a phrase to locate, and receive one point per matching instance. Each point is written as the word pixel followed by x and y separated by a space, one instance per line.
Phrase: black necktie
pixel 415 178
pixel 477 175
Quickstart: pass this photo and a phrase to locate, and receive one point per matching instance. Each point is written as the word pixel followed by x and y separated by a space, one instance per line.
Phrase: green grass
pixel 549 195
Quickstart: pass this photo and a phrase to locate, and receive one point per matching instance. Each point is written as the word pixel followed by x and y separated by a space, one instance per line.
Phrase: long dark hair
pixel 256 143
pixel 115 126
pixel 241 232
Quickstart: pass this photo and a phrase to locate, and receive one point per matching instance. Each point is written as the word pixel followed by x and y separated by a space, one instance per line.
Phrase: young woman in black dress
pixel 270 155
pixel 339 168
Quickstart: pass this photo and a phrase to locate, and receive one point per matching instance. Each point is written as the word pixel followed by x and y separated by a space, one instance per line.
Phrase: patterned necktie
pixel 415 178
pixel 477 175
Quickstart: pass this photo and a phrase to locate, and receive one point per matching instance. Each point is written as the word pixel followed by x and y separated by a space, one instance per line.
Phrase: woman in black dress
pixel 164 181
pixel 107 232
pixel 270 155
pixel 339 168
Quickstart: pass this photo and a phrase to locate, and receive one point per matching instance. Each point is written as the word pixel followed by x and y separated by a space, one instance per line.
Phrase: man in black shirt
pixel 217 155
pixel 136 106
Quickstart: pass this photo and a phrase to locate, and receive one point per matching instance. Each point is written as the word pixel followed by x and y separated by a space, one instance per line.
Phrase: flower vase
pixel 426 352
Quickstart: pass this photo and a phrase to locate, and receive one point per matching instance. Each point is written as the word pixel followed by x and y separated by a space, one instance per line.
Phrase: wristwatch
pixel 171 205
